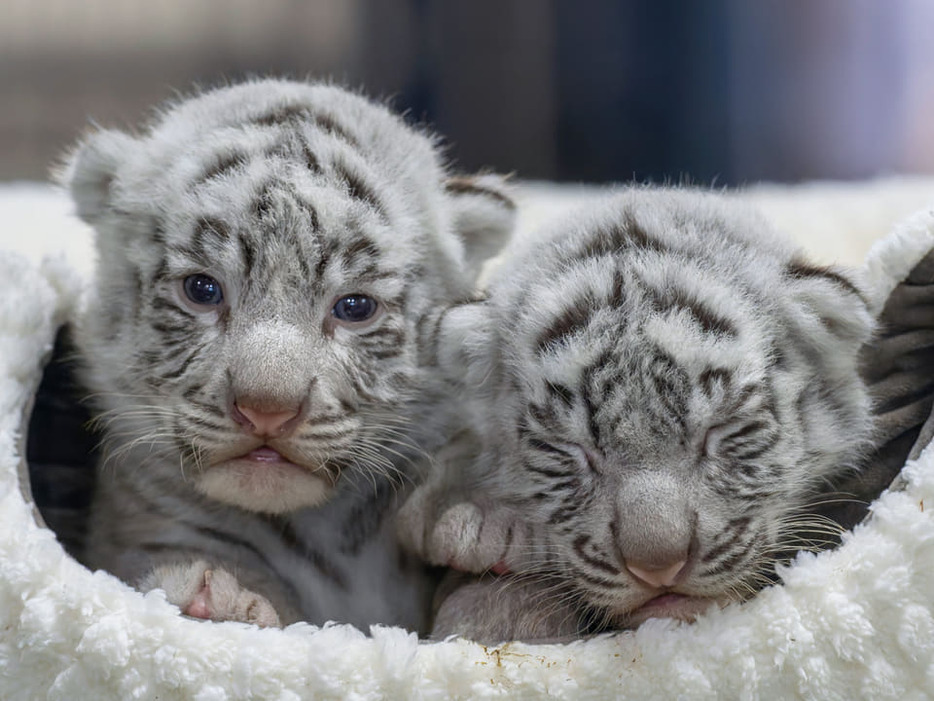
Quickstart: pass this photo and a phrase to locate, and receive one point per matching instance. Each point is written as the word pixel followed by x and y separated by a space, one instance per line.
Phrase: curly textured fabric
pixel 856 622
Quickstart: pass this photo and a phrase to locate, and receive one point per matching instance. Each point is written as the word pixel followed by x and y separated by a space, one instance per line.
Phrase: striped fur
pixel 289 197
pixel 664 385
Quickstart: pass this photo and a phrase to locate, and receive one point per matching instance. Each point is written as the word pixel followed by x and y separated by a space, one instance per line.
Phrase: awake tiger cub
pixel 663 384
pixel 267 252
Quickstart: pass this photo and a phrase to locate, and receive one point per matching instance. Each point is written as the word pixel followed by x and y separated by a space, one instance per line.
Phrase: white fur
pixel 855 623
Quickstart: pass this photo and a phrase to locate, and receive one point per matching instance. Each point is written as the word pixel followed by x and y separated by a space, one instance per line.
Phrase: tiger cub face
pixel 266 252
pixel 668 384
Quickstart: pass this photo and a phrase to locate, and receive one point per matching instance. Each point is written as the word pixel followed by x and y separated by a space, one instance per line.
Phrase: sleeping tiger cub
pixel 661 386
pixel 266 253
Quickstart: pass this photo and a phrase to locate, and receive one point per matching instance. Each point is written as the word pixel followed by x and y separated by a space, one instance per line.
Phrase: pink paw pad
pixel 200 605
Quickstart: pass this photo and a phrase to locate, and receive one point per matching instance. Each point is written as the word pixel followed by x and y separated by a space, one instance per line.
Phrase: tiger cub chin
pixel 267 252
pixel 663 385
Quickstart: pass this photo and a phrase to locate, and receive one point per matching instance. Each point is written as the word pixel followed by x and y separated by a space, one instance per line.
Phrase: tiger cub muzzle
pixel 287 425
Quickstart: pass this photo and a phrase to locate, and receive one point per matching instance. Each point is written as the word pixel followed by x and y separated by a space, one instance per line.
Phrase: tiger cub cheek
pixel 272 489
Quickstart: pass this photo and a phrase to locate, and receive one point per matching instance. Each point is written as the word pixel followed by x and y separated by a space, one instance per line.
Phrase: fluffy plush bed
pixel 854 622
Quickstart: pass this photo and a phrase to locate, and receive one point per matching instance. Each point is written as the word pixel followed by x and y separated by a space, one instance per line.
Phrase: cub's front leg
pixel 463 535
pixel 201 590
pixel 454 518
pixel 492 610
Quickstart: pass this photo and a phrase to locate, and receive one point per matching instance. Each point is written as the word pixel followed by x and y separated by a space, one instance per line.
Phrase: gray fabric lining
pixel 898 365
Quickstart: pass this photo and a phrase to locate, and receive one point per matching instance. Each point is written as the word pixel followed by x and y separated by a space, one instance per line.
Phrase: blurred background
pixel 723 91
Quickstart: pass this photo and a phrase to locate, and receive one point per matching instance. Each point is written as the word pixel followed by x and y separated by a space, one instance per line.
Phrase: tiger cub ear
pixel 465 343
pixel 483 216
pixel 833 299
pixel 90 170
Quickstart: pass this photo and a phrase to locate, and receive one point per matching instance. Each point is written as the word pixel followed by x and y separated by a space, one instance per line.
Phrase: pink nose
pixel 664 576
pixel 265 423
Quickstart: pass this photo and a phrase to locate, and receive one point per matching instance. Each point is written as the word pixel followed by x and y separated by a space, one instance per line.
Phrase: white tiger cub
pixel 662 384
pixel 266 253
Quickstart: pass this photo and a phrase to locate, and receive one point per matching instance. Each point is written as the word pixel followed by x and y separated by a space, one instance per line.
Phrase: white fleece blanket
pixel 853 623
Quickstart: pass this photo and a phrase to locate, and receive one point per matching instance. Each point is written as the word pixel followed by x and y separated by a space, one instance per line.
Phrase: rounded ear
pixel 483 214
pixel 90 170
pixel 837 307
pixel 461 342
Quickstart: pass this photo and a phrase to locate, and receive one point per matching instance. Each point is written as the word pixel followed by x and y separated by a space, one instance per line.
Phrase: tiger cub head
pixel 266 252
pixel 665 385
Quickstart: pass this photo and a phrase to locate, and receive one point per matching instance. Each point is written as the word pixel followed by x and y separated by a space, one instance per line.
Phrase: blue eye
pixel 354 308
pixel 203 289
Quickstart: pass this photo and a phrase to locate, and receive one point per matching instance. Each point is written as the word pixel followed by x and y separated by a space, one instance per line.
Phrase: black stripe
pixel 248 255
pixel 193 391
pixel 386 334
pixel 162 271
pixel 546 471
pixel 361 390
pixel 544 447
pixel 802 270
pixel 579 544
pixel 172 330
pixel 468 186
pixel 221 166
pixel 359 189
pixel 385 354
pixel 745 393
pixel 618 295
pixel 755 452
pixel 329 124
pixel 328 250
pixel 735 534
pixel 263 202
pixel 311 160
pixel 545 416
pixel 302 113
pixel 730 563
pixel 744 431
pixel 182 368
pixel 210 233
pixel 360 246
pixel 707 319
pixel 208 408
pixel 594 581
pixel 310 212
pixel 562 514
pixel 592 419
pixel 561 392
pixel 601 243
pixel 636 234
pixel 158 232
pixel 628 235
pixel 572 484
pixel 167 306
pixel 711 376
pixel 573 319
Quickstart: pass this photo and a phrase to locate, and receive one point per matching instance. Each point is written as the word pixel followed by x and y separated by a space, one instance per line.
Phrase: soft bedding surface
pixel 855 622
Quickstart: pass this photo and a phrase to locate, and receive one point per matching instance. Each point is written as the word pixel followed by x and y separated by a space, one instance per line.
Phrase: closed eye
pixel 578 453
pixel 728 437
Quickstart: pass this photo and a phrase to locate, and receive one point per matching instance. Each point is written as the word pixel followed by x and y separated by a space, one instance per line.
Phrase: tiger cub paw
pixel 201 591
pixel 463 536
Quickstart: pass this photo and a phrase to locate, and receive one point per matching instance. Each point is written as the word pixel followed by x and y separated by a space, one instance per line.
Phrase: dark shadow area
pixel 60 449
